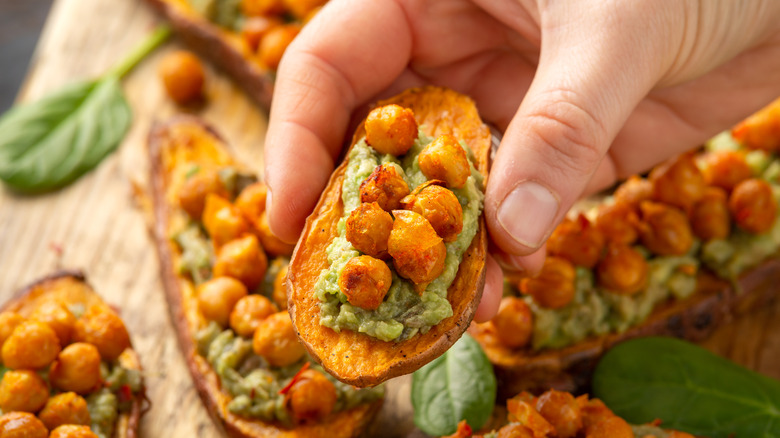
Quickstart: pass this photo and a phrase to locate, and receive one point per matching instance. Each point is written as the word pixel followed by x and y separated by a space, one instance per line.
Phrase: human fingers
pixel 491 295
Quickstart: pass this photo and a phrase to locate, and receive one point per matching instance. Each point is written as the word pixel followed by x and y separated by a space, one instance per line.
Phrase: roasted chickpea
pixel 272 244
pixel 725 169
pixel 710 216
pixel 58 317
pixel 553 288
pixel 514 430
pixel 251 201
pixel 761 130
pixel 65 408
pixel 23 390
pixel 275 340
pixel 21 425
pixel 593 411
pixel 561 410
pixel 618 223
pixel 365 281
pixel 242 259
pixel 279 294
pixel 633 191
pixel 385 186
pixel 32 345
pixel 255 28
pixel 444 159
pixel 522 410
pixel 76 369
pixel 182 75
pixel 418 252
pixel 578 241
pixel 275 42
pixel 391 129
pixel 311 397
pixel 514 322
pixel 610 427
pixel 753 205
pixel 623 270
pixel 72 431
pixel 664 229
pixel 439 206
pixel 103 328
pixel 368 229
pixel 8 322
pixel 217 298
pixel 255 8
pixel 248 312
pixel 678 182
pixel 222 220
pixel 193 191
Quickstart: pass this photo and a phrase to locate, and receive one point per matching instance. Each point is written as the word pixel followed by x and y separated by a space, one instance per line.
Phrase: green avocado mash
pixel 404 313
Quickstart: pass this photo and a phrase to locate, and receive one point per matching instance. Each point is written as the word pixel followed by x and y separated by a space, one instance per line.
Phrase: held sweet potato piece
pixel 358 358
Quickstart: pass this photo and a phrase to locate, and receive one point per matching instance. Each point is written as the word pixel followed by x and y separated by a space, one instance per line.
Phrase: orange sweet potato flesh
pixel 189 140
pixel 356 358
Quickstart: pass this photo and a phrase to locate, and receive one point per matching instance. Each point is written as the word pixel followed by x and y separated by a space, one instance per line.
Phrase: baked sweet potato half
pixel 222 273
pixel 350 354
pixel 94 378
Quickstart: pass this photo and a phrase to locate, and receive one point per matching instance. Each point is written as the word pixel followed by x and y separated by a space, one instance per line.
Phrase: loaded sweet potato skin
pixel 356 358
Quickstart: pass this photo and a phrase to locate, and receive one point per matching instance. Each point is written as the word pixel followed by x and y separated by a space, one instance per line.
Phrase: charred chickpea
pixel 368 229
pixel 561 410
pixel 514 322
pixel 633 191
pixel 222 220
pixel 217 298
pixel 103 328
pixel 272 244
pixel 365 281
pixel 301 8
pixel 182 75
pixel 76 369
pixel 725 169
pixel 418 252
pixel 610 427
pixel 252 8
pixel 275 340
pixel 553 288
pixel 439 206
pixel 193 191
pixel 678 182
pixel 22 425
pixel 275 42
pixel 623 270
pixel 72 431
pixel 710 216
pixel 242 259
pixel 32 345
pixel 251 201
pixel 444 159
pixel 391 129
pixel 618 223
pixel 578 241
pixel 255 28
pixel 753 205
pixel 312 397
pixel 23 390
pixel 279 294
pixel 58 317
pixel 761 130
pixel 664 229
pixel 385 186
pixel 65 408
pixel 248 312
pixel 8 322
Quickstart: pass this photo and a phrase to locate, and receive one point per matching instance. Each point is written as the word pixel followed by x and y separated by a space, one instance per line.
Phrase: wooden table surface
pixel 96 225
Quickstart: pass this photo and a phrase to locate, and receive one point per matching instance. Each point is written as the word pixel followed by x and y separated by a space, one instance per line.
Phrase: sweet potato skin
pixel 355 358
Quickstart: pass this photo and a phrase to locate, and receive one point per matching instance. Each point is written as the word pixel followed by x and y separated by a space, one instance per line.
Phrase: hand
pixel 587 92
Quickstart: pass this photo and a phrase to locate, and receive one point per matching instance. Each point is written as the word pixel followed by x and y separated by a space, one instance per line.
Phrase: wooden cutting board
pixel 96 224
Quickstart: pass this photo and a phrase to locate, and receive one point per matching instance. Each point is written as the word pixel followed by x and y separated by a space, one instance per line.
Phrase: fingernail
pixel 527 213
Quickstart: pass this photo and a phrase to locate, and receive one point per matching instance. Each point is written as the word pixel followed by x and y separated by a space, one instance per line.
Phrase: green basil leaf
pixel 459 385
pixel 687 388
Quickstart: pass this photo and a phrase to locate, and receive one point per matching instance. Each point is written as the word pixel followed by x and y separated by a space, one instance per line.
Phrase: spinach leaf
pixel 459 385
pixel 687 388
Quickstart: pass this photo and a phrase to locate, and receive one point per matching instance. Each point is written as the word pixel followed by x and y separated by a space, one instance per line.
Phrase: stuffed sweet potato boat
pixel 93 387
pixel 223 275
pixel 363 320
pixel 676 253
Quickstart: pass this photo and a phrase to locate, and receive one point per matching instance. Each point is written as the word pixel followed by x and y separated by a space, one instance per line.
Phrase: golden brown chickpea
pixel 753 206
pixel 664 229
pixel 65 408
pixel 255 28
pixel 365 281
pixel 58 317
pixel 578 241
pixel 444 159
pixel 76 369
pixel 103 328
pixel 275 340
pixel 301 8
pixel 514 322
pixel 272 244
pixel 610 427
pixel 761 130
pixel 251 201
pixel 23 391
pixel 275 42
pixel 514 430
pixel 279 294
pixel 217 298
pixel 725 169
pixel 222 220
pixel 311 397
pixel 182 75
pixel 252 8
pixel 242 259
pixel 634 191
pixel 193 191
pixel 391 129
pixel 618 223
pixel 8 322
pixel 678 182
pixel 561 410
pixel 248 312
pixel 368 229
pixel 418 252
pixel 439 206
pixel 385 186
pixel 553 288
pixel 593 411
pixel 623 270
pixel 710 216
pixel 32 345
pixel 522 410
pixel 72 431
pixel 21 425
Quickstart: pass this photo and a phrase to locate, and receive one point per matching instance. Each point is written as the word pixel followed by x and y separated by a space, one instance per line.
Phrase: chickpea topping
pixel 182 75
pixel 418 252
pixel 439 206
pixel 252 8
pixel 522 410
pixel 444 159
pixel 593 411
pixel 623 270
pixel 678 182
pixel 193 191
pixel 65 408
pixel 58 317
pixel 368 229
pixel 610 427
pixel 391 129
pixel 725 169
pixel 710 216
pixel 577 241
pixel 365 281
pixel 634 191
pixel 618 223
pixel 312 397
pixel 255 28
pixel 76 369
pixel 23 390
pixel 275 340
pixel 514 430
pixel 280 288
pixel 562 411
pixel 248 312
pixel 8 322
pixel 275 42
pixel 251 201
pixel 217 298
pixel 222 220
pixel 32 345
pixel 72 431
pixel 385 186
pixel 272 244
pixel 242 259
pixel 553 288
pixel 753 205
pixel 761 130
pixel 664 229
pixel 102 328
pixel 514 322
pixel 22 425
